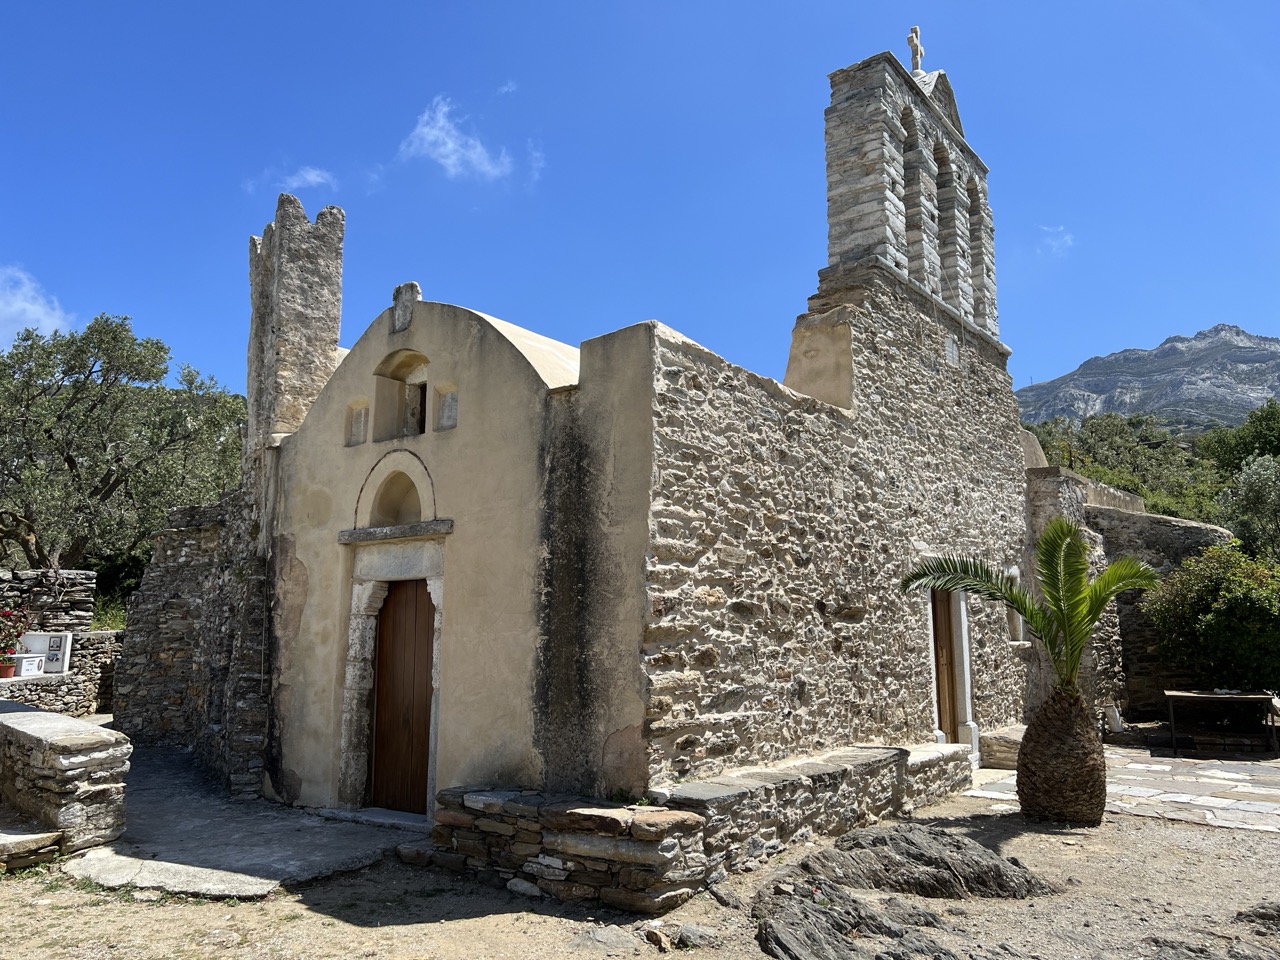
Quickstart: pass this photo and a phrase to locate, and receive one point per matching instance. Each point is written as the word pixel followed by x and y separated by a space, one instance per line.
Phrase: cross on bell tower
pixel 917 51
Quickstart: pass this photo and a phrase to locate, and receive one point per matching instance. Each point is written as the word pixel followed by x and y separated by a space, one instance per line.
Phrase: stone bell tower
pixel 906 208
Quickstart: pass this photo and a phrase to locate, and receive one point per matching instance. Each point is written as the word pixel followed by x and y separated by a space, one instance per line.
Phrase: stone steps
pixel 24 843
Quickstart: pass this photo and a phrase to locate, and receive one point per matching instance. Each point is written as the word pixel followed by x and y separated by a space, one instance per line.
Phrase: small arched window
pixel 400 401
pixel 396 503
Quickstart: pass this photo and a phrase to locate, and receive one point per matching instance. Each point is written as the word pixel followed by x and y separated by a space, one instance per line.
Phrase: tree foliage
pixel 1251 506
pixel 1259 435
pixel 1218 616
pixel 96 448
pixel 1139 455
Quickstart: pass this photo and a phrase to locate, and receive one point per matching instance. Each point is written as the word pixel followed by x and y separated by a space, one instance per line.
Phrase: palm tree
pixel 1062 774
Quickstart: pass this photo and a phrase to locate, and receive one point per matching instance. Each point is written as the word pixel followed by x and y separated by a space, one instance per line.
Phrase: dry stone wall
pixel 66 773
pixel 781 526
pixel 61 600
pixel 156 686
pixel 649 859
pixel 646 859
pixel 86 688
pixel 194 667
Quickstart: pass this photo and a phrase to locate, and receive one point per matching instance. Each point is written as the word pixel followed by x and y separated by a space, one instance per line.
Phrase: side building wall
pixel 781 527
pixel 194 665
pixel 1163 542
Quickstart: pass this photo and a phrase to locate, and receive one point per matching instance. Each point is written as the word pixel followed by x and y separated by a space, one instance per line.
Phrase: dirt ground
pixel 1126 889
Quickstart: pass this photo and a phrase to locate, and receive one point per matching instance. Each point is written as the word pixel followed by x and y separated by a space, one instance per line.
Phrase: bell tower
pixel 907 212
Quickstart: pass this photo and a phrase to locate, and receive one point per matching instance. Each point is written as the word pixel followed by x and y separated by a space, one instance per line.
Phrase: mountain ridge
pixel 1213 377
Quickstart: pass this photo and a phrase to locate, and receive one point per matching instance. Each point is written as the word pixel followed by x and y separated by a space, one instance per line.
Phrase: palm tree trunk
pixel 1062 773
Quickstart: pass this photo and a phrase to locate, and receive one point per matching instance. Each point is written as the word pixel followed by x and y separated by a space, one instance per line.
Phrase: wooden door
pixel 402 698
pixel 944 665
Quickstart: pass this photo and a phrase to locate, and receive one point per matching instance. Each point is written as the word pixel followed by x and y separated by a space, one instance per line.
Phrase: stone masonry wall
pixel 61 600
pixel 1163 542
pixel 194 665
pixel 646 859
pixel 65 773
pixel 781 526
pixel 156 689
pixel 86 688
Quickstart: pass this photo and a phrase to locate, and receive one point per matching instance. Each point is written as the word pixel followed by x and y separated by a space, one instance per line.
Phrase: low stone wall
pixel 1000 747
pixel 651 859
pixel 61 600
pixel 66 773
pixel 85 689
pixel 195 664
pixel 752 814
pixel 637 858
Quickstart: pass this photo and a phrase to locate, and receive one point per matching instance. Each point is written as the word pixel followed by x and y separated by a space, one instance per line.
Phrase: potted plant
pixel 13 624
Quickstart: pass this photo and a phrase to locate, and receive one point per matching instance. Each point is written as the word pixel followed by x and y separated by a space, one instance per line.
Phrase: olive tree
pixel 96 447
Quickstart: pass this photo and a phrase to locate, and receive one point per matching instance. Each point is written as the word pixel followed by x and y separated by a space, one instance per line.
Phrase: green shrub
pixel 108 614
pixel 1219 617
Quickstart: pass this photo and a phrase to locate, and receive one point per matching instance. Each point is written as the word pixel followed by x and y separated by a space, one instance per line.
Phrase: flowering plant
pixel 13 624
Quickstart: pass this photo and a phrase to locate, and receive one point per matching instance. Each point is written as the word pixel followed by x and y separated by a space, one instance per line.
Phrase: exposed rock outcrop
pixel 1218 375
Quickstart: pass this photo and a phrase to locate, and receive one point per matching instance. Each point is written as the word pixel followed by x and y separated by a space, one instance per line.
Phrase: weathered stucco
pixel 488 476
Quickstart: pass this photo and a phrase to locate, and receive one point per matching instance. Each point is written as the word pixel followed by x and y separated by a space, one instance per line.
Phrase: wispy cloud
pixel 508 87
pixel 305 177
pixel 23 303
pixel 1055 242
pixel 537 162
pixel 437 137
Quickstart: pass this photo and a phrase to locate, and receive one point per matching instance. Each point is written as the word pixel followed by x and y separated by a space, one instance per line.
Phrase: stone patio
pixel 1238 794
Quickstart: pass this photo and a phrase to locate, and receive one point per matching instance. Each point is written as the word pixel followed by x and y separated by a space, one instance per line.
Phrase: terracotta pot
pixel 6 669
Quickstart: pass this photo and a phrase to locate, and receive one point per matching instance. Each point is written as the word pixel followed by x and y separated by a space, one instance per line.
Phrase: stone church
pixel 465 553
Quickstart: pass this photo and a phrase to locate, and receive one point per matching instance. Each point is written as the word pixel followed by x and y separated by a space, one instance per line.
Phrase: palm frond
pixel 1123 573
pixel 976 578
pixel 1072 605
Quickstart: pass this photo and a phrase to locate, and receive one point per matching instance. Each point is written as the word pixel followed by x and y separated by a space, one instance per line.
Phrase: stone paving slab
pixel 1231 793
pixel 184 835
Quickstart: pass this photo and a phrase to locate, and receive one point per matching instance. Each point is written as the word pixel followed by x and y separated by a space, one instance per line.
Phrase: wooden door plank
pixel 944 662
pixel 402 702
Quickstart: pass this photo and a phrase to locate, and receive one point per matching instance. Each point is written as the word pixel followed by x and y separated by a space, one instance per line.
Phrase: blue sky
pixel 578 167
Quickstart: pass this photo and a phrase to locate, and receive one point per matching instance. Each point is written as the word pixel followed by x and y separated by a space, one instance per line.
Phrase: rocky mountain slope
pixel 1217 376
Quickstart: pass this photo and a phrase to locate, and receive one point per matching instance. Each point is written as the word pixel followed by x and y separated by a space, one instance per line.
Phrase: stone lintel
pixel 404 531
